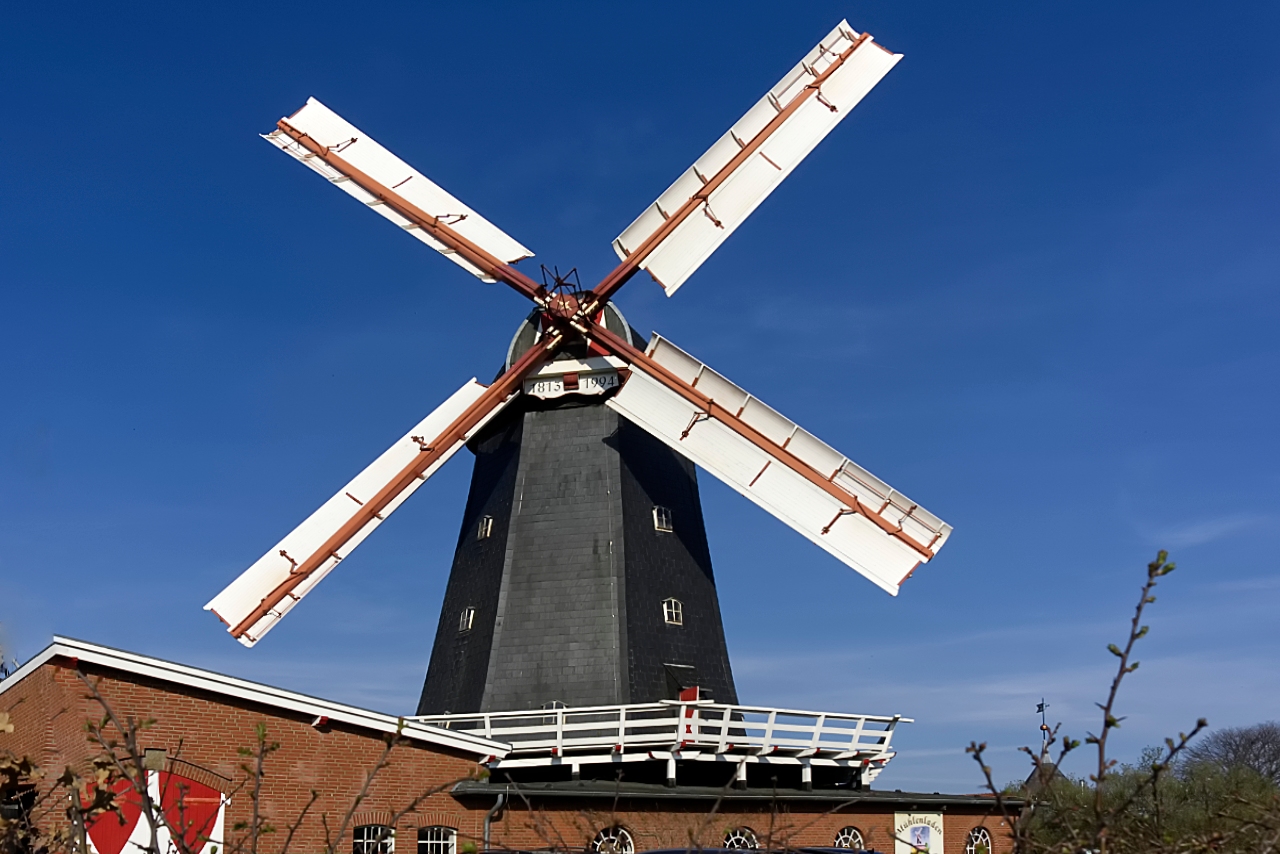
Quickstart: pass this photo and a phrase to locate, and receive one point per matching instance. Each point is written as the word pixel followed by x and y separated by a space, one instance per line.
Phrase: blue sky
pixel 1032 282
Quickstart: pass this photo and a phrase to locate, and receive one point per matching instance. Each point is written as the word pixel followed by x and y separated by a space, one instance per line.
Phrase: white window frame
pixel 484 530
pixel 613 840
pixel 466 619
pixel 673 611
pixel 663 519
pixel 741 838
pixel 850 837
pixel 978 841
pixel 373 839
pixel 437 839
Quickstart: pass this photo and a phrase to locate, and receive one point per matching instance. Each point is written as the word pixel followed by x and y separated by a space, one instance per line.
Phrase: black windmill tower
pixel 582 574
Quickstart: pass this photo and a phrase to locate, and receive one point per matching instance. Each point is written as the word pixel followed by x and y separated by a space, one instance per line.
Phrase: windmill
pixel 642 414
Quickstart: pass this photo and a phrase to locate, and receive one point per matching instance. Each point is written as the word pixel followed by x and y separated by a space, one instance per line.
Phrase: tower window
pixel 662 519
pixel 466 619
pixel 672 612
pixel 485 528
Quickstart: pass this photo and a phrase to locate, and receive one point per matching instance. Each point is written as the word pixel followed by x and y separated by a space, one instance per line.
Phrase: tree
pixel 1256 748
pixel 1162 804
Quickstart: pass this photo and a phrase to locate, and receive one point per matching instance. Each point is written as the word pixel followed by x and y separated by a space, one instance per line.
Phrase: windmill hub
pixel 563 305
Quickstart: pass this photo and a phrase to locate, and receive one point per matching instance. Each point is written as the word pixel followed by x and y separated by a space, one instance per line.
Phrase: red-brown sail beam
pixel 503 387
pixel 621 274
pixel 620 348
pixel 467 249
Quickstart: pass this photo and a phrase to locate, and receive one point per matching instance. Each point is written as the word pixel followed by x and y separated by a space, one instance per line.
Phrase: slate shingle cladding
pixel 568 588
pixel 663 565
pixel 476 577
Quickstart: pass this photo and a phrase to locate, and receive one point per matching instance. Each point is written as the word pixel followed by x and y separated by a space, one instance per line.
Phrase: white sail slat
pixel 776 153
pixel 351 144
pixel 783 470
pixel 247 592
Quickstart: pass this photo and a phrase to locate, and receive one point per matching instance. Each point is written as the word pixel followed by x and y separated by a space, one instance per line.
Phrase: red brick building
pixel 466 797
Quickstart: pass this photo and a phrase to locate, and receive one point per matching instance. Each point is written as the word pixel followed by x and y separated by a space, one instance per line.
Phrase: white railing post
pixel 817 732
pixel 888 733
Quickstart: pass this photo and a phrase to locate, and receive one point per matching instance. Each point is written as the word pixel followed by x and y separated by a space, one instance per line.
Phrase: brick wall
pixel 50 707
pixel 663 824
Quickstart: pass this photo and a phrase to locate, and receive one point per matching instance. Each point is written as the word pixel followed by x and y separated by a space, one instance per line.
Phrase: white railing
pixel 675 725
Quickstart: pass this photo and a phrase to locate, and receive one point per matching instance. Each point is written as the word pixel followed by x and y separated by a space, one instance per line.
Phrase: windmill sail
pixel 392 175
pixel 693 217
pixel 246 595
pixel 780 466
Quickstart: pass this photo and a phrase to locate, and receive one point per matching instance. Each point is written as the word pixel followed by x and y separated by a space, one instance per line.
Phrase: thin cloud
pixel 1206 530
pixel 1249 584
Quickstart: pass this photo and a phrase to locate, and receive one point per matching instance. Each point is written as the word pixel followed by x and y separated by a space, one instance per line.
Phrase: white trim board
pixel 241 689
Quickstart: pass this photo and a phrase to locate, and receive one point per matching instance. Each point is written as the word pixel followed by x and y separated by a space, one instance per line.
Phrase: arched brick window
pixel 978 841
pixel 373 839
pixel 437 839
pixel 613 840
pixel 850 837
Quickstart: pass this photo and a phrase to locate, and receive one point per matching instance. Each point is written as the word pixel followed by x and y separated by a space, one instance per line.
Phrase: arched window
pixel 978 842
pixel 437 840
pixel 850 837
pixel 373 839
pixel 613 840
pixel 741 837
pixel 662 519
pixel 672 612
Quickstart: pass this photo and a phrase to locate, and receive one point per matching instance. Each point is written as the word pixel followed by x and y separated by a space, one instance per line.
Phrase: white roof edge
pixel 218 683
